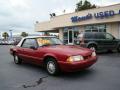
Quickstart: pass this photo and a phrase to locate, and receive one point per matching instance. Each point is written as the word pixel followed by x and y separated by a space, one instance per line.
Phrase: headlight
pixel 75 58
pixel 93 54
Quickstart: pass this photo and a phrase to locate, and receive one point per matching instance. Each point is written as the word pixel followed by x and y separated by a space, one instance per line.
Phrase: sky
pixel 21 15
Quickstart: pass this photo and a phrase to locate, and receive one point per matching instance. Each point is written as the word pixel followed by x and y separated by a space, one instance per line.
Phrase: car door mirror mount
pixel 33 47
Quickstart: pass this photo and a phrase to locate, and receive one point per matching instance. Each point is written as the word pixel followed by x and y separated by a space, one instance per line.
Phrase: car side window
pixel 89 35
pixel 99 36
pixel 29 42
pixel 109 37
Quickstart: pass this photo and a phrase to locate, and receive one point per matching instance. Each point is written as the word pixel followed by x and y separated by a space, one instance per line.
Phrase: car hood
pixel 69 50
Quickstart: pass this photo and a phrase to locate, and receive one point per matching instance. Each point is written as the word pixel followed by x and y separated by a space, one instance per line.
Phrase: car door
pixel 30 50
pixel 110 41
pixel 24 44
pixel 100 40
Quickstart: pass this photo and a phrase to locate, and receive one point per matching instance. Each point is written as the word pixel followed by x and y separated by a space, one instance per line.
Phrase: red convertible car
pixel 49 51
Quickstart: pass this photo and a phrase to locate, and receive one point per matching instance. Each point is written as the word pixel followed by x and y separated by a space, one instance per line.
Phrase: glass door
pixel 65 37
pixel 119 31
pixel 70 36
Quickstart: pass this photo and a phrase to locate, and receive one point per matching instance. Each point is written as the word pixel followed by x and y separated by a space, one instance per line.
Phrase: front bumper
pixel 77 66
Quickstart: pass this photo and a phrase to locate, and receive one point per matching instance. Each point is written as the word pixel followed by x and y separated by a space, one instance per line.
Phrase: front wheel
pixel 118 49
pixel 92 47
pixel 17 60
pixel 52 67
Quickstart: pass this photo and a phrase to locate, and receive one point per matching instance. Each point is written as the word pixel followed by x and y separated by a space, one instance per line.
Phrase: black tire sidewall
pixel 89 46
pixel 118 49
pixel 56 66
pixel 19 60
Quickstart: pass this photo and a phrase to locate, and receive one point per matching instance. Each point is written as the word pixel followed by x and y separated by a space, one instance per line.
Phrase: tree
pixel 24 34
pixel 84 5
pixel 5 35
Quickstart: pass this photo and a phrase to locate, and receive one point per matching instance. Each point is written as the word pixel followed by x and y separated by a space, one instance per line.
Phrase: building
pixel 102 19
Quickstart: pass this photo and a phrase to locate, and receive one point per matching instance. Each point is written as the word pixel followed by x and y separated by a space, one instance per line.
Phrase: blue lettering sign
pixel 78 19
pixel 99 15
pixel 96 15
pixel 74 19
pixel 105 14
pixel 112 13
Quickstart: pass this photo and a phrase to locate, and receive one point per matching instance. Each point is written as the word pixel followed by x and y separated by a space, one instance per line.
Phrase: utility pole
pixel 0 34
pixel 10 34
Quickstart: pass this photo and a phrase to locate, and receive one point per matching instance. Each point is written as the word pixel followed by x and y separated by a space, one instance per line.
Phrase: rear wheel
pixel 52 66
pixel 17 60
pixel 118 49
pixel 92 47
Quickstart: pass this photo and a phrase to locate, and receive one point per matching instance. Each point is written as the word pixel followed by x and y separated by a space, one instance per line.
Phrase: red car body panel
pixel 60 53
pixel 71 67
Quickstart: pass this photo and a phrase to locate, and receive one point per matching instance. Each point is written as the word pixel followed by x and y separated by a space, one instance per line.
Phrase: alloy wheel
pixel 51 67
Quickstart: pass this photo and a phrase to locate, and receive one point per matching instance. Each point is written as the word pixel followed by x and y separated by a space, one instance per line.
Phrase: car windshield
pixel 44 41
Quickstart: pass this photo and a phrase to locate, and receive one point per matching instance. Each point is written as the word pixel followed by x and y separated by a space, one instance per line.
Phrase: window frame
pixel 96 28
pixel 110 36
pixel 27 39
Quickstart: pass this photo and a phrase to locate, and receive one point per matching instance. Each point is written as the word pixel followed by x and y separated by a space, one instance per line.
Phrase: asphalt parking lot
pixel 104 75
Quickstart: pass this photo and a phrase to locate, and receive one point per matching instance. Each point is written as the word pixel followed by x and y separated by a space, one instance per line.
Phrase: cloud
pixel 21 15
pixel 19 3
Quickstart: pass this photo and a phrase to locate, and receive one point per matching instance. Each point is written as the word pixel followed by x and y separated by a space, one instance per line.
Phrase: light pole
pixel 0 34
pixel 10 34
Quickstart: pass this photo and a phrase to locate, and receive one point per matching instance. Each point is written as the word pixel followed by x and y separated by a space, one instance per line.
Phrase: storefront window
pixel 65 36
pixel 95 28
pixel 70 35
pixel 76 32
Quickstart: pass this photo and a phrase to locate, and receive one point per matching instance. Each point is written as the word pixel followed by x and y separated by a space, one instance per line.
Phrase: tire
pixel 92 47
pixel 118 49
pixel 17 60
pixel 52 66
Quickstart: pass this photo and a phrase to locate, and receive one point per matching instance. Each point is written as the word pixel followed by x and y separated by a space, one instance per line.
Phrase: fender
pixel 91 42
pixel 118 44
pixel 50 55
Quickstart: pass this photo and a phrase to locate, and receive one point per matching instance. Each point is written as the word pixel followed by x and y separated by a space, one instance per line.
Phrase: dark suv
pixel 98 41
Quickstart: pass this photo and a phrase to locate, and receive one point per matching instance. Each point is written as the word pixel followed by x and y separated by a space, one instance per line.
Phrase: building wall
pixel 65 20
pixel 61 34
pixel 82 28
pixel 113 28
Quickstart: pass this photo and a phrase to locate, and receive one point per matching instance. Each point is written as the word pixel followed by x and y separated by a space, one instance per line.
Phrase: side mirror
pixel 33 47
pixel 114 38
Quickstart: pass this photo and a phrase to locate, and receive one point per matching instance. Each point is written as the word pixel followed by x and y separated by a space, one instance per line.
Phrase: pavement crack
pixel 36 83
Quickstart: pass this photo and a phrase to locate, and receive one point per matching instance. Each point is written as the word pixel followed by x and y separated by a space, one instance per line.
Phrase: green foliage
pixel 84 5
pixel 24 34
pixel 5 35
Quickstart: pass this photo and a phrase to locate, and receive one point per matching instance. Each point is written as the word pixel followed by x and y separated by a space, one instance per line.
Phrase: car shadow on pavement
pixel 79 74
pixel 31 67
pixel 40 68
pixel 108 53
